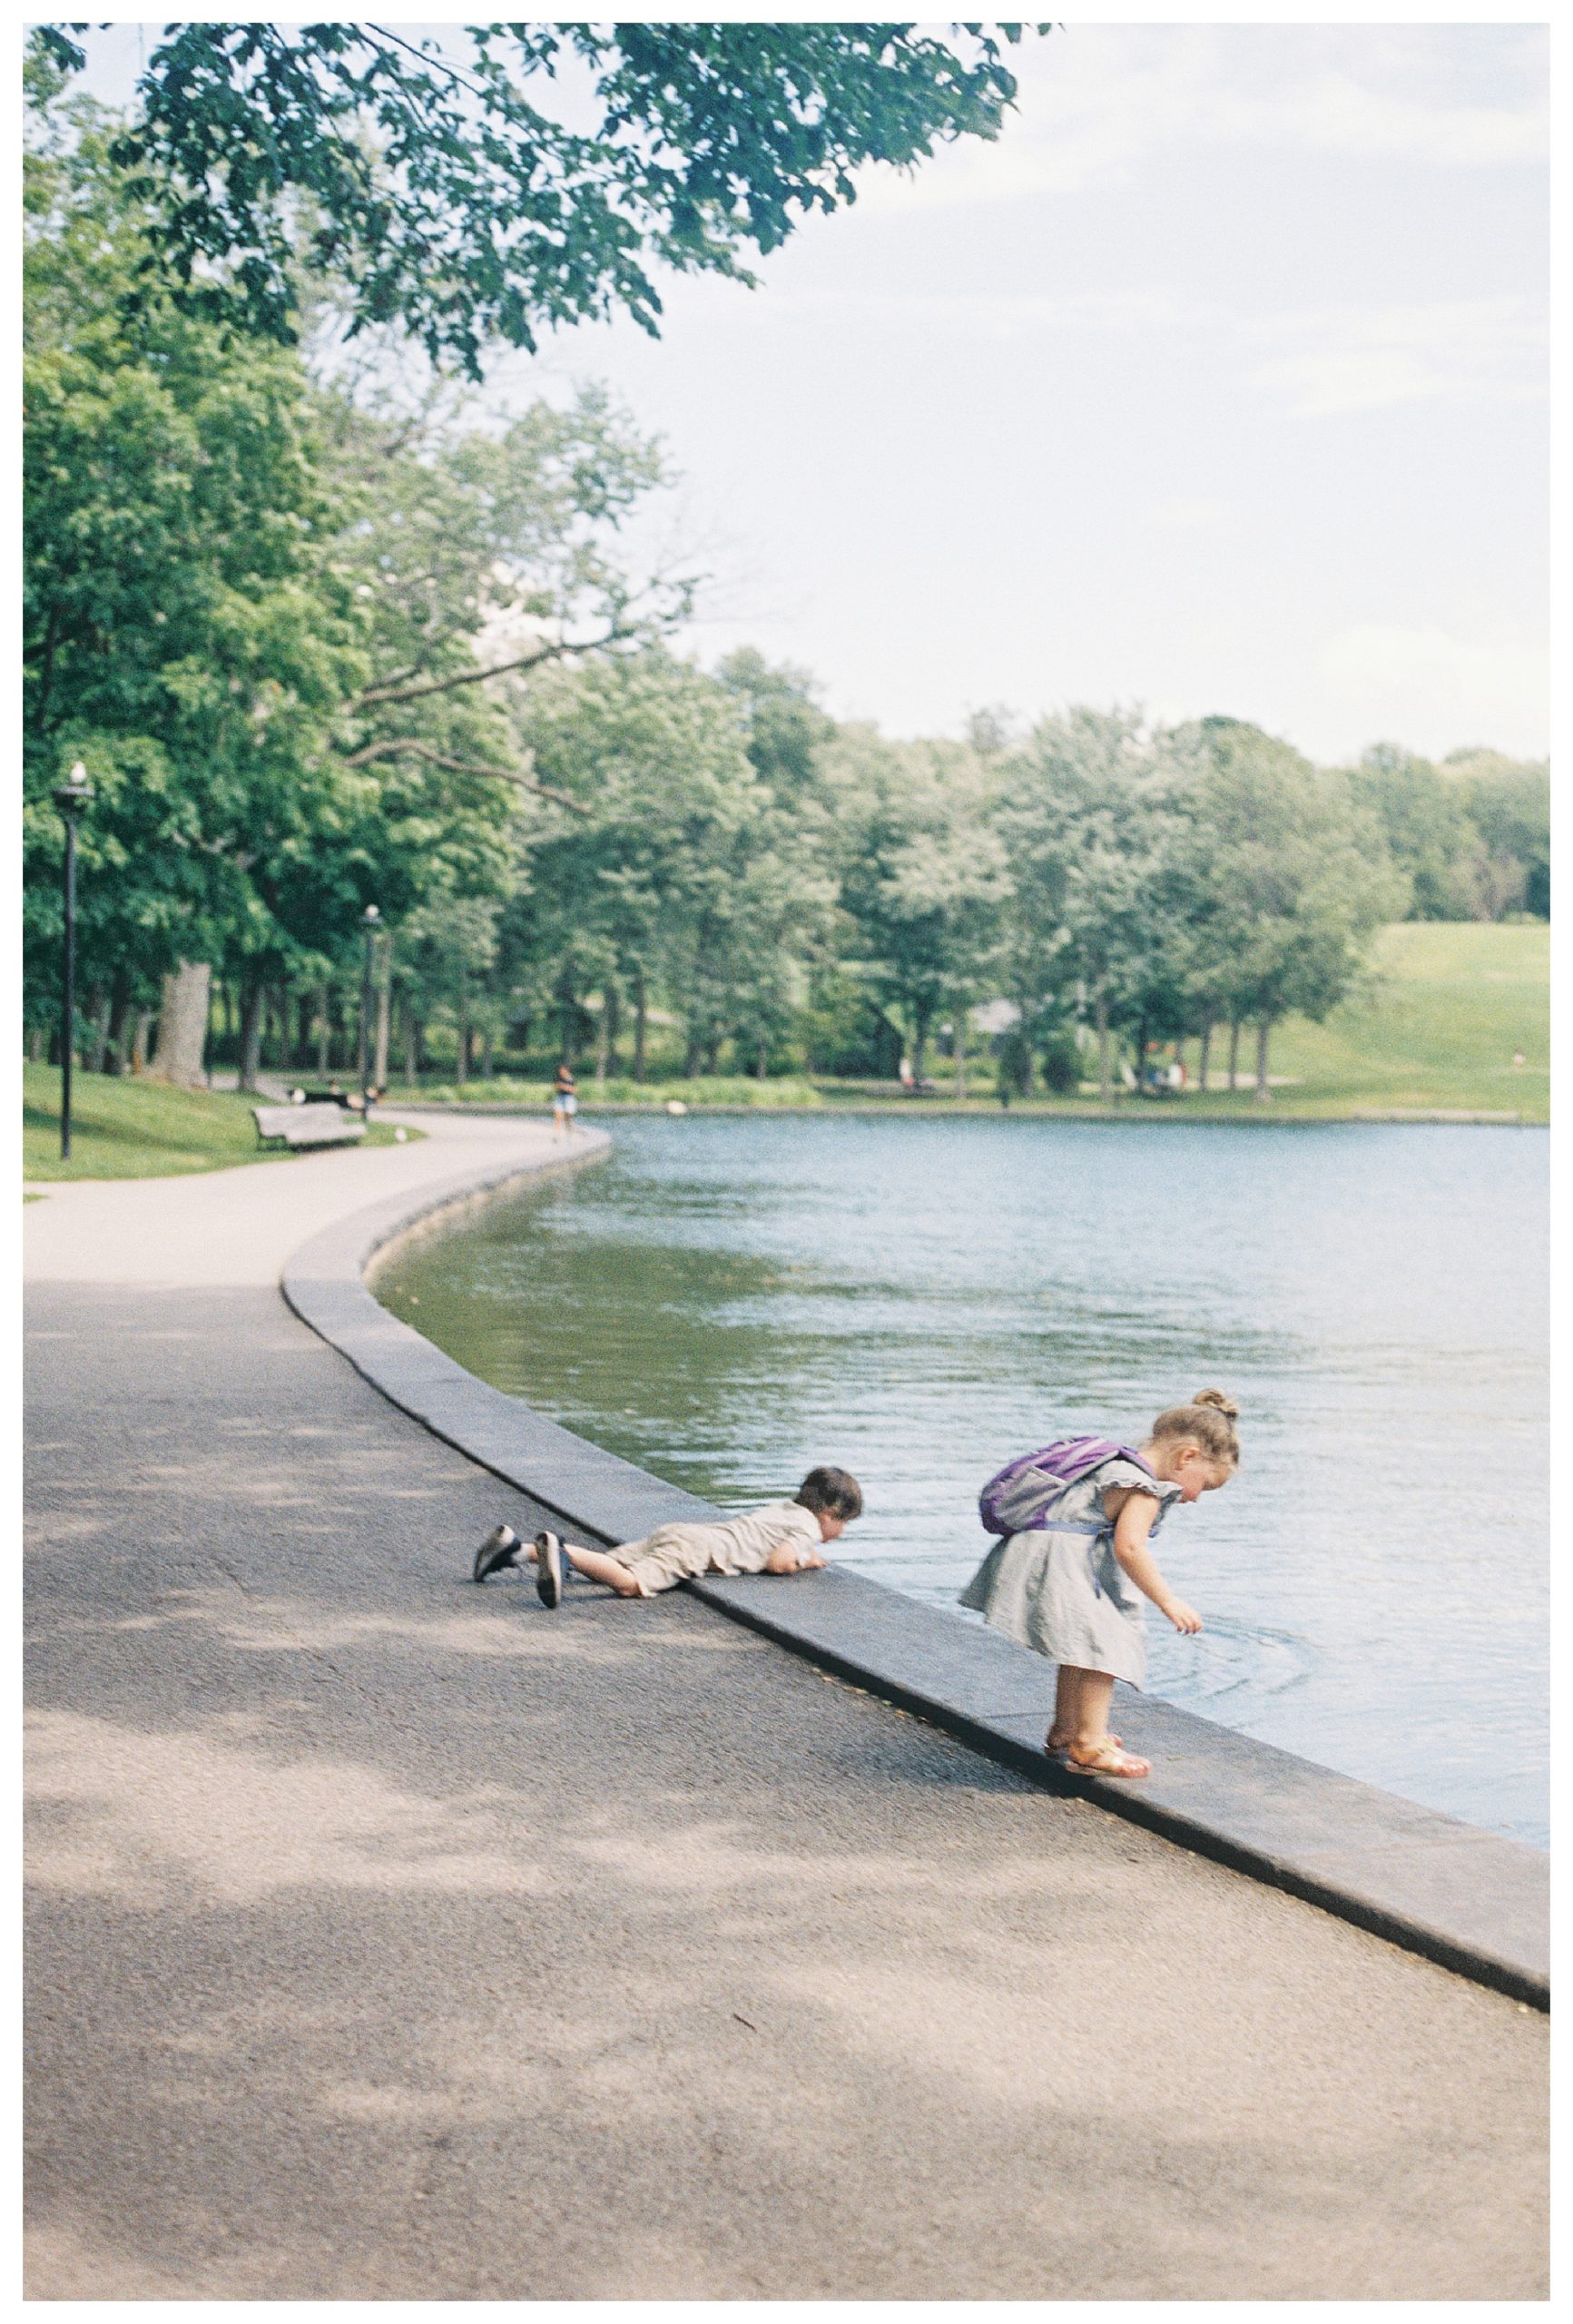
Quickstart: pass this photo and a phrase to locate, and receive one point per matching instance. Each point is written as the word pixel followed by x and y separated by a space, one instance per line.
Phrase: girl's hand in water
pixel 1184 1618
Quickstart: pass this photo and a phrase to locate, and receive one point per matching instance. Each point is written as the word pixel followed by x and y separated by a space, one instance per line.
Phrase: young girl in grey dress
pixel 1070 1592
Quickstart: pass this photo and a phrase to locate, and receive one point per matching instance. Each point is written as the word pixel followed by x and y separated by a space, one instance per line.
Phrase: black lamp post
pixel 70 797
pixel 370 920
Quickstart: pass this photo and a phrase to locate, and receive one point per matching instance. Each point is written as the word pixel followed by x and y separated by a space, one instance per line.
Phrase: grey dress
pixel 1064 1592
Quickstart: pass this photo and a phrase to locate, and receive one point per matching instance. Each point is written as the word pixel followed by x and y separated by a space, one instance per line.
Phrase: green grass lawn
pixel 141 1129
pixel 1448 1006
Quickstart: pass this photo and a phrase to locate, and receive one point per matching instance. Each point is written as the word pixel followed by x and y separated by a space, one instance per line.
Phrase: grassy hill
pixel 138 1129
pixel 1447 1007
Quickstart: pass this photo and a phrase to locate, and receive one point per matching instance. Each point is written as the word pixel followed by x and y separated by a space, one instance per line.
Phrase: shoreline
pixel 1467 1900
pixel 1277 1114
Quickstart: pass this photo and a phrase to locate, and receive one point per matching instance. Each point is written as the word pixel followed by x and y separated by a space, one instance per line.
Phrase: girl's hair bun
pixel 1219 1402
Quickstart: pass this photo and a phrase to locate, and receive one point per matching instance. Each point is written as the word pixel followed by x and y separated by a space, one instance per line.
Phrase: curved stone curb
pixel 1474 1903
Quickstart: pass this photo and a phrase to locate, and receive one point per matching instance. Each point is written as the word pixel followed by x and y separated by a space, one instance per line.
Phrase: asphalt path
pixel 389 1938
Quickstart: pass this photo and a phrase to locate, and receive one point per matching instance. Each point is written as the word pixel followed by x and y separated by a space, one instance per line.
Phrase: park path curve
pixel 390 1939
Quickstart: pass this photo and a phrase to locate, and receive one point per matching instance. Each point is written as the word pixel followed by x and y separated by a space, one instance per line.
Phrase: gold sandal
pixel 1106 1759
pixel 1053 1742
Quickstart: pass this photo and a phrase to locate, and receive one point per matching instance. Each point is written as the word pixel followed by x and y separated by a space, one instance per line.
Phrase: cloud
pixel 1318 362
pixel 1005 314
pixel 1361 359
pixel 1098 101
pixel 1190 513
pixel 1336 114
pixel 1435 688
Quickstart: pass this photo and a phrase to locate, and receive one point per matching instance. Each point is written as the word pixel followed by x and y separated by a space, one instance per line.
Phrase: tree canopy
pixel 512 178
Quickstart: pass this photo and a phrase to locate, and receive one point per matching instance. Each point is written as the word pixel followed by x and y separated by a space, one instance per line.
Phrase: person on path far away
pixel 564 1101
pixel 784 1537
pixel 1076 1521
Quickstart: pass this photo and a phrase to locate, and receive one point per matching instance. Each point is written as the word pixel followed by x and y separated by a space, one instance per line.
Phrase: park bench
pixel 296 1126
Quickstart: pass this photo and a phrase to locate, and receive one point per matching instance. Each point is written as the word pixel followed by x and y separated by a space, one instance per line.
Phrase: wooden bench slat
pixel 318 1125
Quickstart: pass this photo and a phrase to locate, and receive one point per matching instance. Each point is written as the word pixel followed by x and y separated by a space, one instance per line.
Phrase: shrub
pixel 1061 1062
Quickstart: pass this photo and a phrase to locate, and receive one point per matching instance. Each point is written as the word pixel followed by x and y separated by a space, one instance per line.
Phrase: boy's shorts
pixel 675 1553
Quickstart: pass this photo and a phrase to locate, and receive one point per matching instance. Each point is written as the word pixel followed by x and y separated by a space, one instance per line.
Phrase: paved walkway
pixel 394 1939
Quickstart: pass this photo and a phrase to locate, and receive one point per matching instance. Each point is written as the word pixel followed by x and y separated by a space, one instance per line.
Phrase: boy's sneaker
pixel 549 1570
pixel 500 1548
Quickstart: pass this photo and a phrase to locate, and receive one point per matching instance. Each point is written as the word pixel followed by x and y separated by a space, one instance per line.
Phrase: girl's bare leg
pixel 1093 1747
pixel 1067 1695
pixel 1095 1691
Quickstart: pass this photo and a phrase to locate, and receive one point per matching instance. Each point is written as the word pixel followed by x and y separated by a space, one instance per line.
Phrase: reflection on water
pixel 729 1301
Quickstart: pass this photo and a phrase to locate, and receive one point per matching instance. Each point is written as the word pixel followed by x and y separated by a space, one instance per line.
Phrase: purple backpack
pixel 1019 1500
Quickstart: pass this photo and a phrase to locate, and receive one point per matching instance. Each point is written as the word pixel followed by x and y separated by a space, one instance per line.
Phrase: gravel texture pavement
pixel 394 1939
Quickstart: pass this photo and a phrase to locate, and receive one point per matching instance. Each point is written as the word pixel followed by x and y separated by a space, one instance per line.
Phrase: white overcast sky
pixel 1218 384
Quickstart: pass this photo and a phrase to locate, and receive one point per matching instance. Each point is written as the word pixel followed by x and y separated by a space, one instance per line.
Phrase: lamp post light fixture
pixel 371 921
pixel 70 797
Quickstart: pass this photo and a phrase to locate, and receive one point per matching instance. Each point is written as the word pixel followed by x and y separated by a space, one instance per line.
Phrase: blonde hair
pixel 1207 1421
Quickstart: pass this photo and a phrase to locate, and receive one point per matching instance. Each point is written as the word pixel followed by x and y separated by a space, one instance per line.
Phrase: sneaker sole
pixel 500 1548
pixel 549 1570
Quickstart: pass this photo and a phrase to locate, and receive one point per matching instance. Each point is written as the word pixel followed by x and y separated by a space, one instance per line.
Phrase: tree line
pixel 322 641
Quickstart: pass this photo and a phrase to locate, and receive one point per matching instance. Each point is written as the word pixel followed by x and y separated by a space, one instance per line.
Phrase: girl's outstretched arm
pixel 1132 1513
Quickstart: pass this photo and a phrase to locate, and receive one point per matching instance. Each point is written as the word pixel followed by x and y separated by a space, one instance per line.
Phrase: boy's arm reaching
pixel 787 1558
pixel 1132 1513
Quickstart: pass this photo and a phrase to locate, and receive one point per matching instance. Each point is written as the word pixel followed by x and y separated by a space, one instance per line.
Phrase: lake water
pixel 729 1301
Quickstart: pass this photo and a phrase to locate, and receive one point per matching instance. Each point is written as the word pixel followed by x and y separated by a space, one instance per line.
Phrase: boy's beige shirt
pixel 743 1544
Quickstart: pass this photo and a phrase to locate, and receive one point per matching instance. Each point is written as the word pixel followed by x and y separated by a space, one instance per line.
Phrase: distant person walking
pixel 564 1101
pixel 1076 1521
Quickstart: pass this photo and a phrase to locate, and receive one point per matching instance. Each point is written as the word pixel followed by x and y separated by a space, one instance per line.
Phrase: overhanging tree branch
pixel 374 695
pixel 406 747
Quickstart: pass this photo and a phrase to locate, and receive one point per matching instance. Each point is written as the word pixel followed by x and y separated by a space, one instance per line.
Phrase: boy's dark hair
pixel 830 1492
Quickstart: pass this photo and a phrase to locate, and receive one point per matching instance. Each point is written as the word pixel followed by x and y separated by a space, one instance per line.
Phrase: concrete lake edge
pixel 1470 1900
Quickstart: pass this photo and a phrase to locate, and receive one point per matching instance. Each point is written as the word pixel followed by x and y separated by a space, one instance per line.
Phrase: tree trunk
pixel 98 1038
pixel 762 1064
pixel 35 1045
pixel 183 1024
pixel 613 1005
pixel 301 1050
pixel 601 1043
pixel 692 1054
pixel 640 1018
pixel 919 1044
pixel 119 1022
pixel 487 1066
pixel 960 1056
pixel 1263 1029
pixel 142 1034
pixel 1234 1053
pixel 384 1026
pixel 250 1050
pixel 323 1032
pixel 1206 1052
pixel 1104 1087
